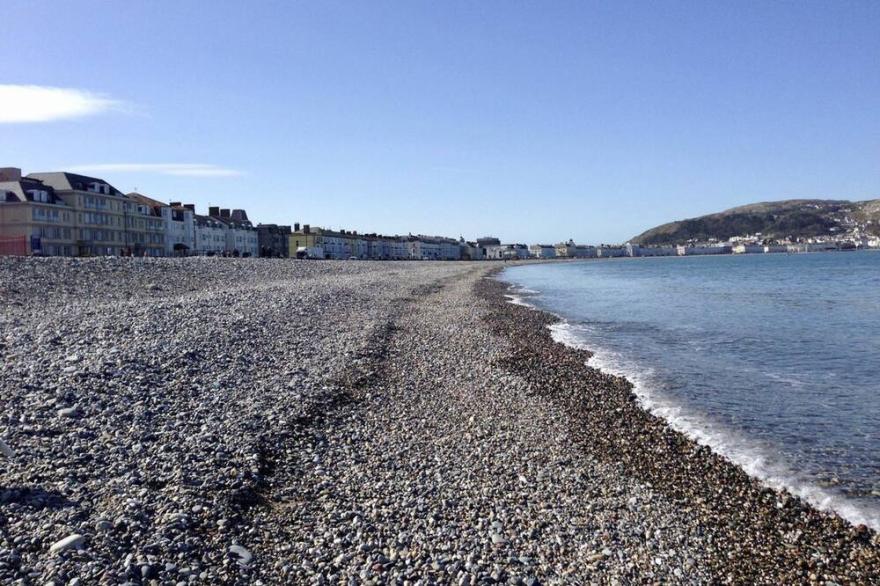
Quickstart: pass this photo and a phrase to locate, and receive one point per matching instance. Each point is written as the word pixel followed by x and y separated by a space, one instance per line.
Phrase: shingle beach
pixel 246 421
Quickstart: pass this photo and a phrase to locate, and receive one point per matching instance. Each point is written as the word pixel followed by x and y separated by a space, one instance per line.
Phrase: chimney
pixel 296 227
pixel 240 216
pixel 191 207
pixel 224 213
pixel 214 211
pixel 175 204
pixel 10 174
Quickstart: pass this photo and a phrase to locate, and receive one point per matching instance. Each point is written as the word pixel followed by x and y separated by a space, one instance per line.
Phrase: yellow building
pixel 33 219
pixel 107 222
pixel 305 237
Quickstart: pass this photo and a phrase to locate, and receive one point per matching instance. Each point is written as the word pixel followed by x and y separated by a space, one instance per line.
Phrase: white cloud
pixel 35 103
pixel 178 169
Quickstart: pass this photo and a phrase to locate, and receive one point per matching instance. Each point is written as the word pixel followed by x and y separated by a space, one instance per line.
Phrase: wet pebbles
pixel 750 534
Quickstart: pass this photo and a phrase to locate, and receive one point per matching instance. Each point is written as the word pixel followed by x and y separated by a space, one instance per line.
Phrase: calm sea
pixel 772 360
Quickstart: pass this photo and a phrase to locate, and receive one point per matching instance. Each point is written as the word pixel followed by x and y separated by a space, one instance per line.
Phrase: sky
pixel 530 121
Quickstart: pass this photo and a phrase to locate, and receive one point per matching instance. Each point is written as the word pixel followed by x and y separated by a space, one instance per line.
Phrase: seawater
pixel 771 360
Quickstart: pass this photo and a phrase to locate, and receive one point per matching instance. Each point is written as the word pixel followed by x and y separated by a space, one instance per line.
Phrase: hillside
pixel 793 218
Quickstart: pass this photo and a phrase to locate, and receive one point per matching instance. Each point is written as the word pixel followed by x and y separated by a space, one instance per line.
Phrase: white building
pixel 420 249
pixel 542 251
pixel 610 251
pixel 507 252
pixel 398 249
pixel 450 249
pixel 359 247
pixel 209 235
pixel 636 250
pixel 336 245
pixel 743 248
pixel 699 250
pixel 178 223
pixel 242 240
pixel 378 248
pixel 180 228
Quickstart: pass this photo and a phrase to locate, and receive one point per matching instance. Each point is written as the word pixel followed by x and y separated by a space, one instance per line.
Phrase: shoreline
pixel 762 532
pixel 773 473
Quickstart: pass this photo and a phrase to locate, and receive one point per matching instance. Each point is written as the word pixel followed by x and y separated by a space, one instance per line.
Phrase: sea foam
pixel 756 461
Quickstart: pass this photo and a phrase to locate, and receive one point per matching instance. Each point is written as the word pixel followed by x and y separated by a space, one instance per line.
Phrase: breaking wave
pixel 757 461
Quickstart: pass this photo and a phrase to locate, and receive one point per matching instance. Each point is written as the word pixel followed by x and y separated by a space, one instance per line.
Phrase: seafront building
pixel 471 250
pixel 542 251
pixel 273 240
pixel 184 232
pixel 67 214
pixel 178 223
pixel 209 236
pixel 240 235
pixel 610 251
pixel 315 242
pixel 107 222
pixel 571 250
pixel 33 219
pixel 507 252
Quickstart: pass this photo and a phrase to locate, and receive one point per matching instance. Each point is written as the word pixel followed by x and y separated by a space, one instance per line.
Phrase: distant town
pixel 67 214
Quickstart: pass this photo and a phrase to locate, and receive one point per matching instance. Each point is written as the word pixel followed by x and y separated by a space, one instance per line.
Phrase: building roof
pixel 273 228
pixel 17 191
pixel 146 200
pixel 64 181
pixel 201 220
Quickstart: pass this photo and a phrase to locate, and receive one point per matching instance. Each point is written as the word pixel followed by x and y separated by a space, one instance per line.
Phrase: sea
pixel 771 360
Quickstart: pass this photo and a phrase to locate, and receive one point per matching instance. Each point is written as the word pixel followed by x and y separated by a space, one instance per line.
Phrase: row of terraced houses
pixel 68 214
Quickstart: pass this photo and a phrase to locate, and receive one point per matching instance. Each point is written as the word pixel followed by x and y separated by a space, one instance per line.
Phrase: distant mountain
pixel 792 218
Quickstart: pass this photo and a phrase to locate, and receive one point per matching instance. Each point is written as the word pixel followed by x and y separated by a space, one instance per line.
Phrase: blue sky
pixel 532 121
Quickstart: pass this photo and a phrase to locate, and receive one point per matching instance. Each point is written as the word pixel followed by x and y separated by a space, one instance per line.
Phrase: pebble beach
pixel 258 421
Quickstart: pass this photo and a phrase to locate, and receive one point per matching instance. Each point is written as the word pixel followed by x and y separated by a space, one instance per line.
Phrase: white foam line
pixel 738 450
pixel 723 442
pixel 517 300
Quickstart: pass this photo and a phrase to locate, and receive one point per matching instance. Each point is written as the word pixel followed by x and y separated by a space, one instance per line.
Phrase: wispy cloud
pixel 178 169
pixel 36 103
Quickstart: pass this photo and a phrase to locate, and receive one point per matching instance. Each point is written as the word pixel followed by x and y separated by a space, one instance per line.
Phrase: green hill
pixel 793 218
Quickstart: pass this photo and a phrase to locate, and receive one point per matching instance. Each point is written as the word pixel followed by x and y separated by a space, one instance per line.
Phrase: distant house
pixel 507 252
pixel 241 236
pixel 178 223
pixel 210 236
pixel 565 249
pixel 471 251
pixel 274 240
pixel 610 251
pixel 542 251
pixel 743 248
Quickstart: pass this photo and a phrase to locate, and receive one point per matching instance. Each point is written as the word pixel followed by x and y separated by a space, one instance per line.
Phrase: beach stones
pixel 73 541
pixel 6 451
pixel 242 555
